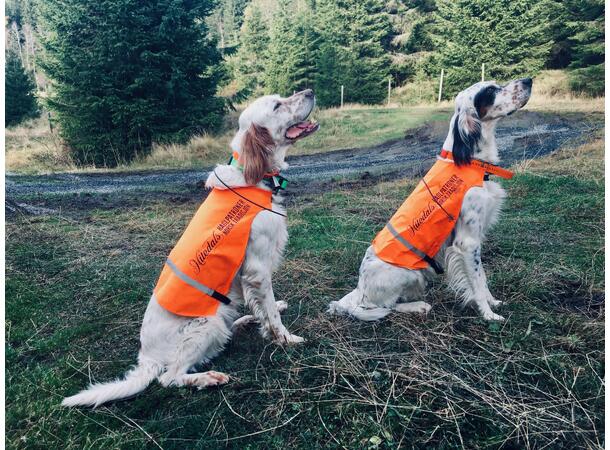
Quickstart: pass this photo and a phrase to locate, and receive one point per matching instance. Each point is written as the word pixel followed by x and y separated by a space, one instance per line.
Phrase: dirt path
pixel 522 136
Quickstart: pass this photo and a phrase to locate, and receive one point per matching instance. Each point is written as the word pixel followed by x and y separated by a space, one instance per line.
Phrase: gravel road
pixel 522 136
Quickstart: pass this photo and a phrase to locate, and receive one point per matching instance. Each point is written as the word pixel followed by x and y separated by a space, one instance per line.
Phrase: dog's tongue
pixel 296 130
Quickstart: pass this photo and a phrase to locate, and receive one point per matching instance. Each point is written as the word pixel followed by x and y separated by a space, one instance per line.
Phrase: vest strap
pixel 489 168
pixel 431 261
pixel 196 284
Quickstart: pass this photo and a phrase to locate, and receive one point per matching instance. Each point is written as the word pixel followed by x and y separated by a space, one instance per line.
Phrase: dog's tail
pixel 350 305
pixel 135 381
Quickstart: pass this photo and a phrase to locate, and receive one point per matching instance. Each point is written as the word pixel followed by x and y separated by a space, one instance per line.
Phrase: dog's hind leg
pixel 201 340
pixel 413 307
pixel 351 305
pixel 414 290
pixel 201 380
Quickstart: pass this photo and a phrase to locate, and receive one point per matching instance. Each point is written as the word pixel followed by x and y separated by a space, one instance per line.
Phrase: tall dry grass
pixel 200 150
pixel 31 147
pixel 551 92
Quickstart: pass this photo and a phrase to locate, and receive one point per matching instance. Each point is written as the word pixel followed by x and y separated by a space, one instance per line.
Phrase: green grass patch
pixel 358 127
pixel 77 288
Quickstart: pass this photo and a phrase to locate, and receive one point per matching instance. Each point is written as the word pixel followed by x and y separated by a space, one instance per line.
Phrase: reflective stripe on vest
pixel 417 231
pixel 200 269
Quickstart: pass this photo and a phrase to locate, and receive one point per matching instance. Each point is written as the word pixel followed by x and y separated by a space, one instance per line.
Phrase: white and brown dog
pixel 384 287
pixel 171 345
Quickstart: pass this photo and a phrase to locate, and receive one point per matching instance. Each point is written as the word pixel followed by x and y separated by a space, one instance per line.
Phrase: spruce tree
pixel 249 61
pixel 350 52
pixel 509 36
pixel 19 89
pixel 225 23
pixel 281 57
pixel 126 73
pixel 411 44
pixel 367 68
pixel 587 40
pixel 305 47
pixel 329 71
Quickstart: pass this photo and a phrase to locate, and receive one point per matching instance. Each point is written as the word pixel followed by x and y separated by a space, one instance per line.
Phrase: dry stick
pixel 231 408
pixel 457 427
pixel 211 419
pixel 385 408
pixel 86 416
pixel 145 432
pixel 261 431
pixel 327 430
pixel 134 425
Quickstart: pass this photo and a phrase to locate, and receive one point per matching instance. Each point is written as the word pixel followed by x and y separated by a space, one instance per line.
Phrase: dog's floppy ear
pixel 257 147
pixel 466 135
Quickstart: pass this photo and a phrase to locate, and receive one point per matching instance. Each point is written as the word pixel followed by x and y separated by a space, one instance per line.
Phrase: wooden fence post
pixel 483 72
pixel 341 96
pixel 440 85
pixel 389 89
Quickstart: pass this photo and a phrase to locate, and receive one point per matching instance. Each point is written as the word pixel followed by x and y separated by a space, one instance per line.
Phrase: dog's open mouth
pixel 302 129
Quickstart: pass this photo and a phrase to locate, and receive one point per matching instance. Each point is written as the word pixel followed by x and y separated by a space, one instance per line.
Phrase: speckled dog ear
pixel 466 135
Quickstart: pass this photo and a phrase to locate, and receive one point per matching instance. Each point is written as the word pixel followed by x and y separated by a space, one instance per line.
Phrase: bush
pixel 588 80
pixel 420 90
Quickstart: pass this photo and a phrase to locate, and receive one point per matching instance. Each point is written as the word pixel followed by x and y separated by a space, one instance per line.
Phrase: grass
pixel 78 282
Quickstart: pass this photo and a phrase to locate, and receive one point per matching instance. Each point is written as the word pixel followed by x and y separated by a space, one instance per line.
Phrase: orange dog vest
pixel 416 232
pixel 199 271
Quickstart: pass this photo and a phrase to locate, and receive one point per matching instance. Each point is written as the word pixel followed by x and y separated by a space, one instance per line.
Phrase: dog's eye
pixel 277 105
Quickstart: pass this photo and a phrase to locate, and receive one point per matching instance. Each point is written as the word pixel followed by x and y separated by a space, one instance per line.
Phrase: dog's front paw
pixel 281 306
pixel 289 339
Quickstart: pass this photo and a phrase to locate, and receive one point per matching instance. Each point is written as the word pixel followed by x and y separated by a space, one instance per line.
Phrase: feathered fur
pixel 257 148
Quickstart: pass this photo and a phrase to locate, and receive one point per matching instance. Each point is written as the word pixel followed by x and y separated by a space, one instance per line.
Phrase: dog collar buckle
pixel 276 183
pixel 272 180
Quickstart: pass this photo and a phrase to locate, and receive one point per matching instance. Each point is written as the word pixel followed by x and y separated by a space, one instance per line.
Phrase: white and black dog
pixel 471 135
pixel 171 345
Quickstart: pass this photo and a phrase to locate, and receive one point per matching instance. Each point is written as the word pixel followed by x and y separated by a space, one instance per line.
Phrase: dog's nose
pixel 527 82
pixel 308 93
